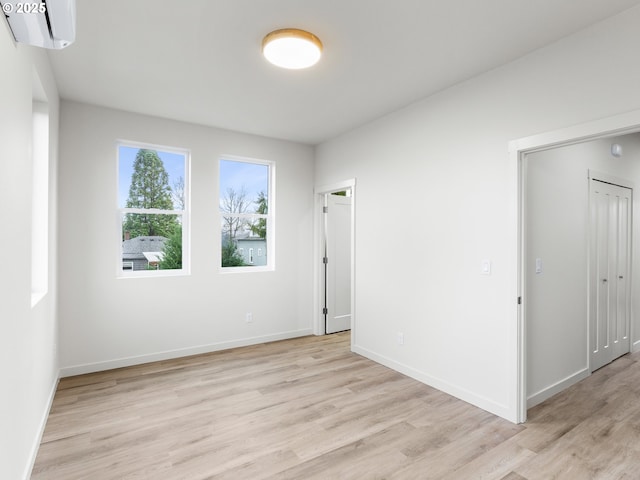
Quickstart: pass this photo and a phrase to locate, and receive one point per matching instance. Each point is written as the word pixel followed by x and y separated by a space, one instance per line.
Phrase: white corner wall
pixel 108 322
pixel 28 336
pixel 436 176
pixel 557 229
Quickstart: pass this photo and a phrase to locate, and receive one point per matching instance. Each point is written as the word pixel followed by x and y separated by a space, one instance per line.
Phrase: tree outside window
pixel 152 207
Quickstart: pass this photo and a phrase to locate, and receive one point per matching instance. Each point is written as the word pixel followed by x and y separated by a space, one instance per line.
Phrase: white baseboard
pixel 635 347
pixel 43 423
pixel 181 352
pixel 453 390
pixel 557 387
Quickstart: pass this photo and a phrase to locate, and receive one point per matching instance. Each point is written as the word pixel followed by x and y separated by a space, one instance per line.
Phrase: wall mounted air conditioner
pixel 43 23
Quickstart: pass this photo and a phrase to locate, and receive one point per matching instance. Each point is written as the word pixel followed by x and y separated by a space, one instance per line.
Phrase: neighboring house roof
pixel 241 236
pixel 142 247
pixel 250 239
pixel 153 256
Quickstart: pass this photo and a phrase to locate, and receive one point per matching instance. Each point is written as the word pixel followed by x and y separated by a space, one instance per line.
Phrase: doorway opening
pixel 337 261
pixel 334 258
pixel 532 342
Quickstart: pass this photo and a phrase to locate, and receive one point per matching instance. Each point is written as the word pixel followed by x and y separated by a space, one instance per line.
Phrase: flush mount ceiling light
pixel 292 48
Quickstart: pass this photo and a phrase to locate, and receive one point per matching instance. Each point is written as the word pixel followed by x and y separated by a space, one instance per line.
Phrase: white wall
pixel 557 233
pixel 28 336
pixel 106 321
pixel 439 171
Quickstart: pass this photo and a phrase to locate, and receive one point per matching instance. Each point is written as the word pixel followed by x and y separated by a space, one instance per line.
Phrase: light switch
pixel 486 267
pixel 538 266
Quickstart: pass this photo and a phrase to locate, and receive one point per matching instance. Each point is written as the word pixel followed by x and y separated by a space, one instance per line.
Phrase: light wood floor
pixel 309 409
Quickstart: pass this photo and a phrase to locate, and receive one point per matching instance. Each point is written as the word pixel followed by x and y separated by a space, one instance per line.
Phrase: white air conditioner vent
pixel 42 23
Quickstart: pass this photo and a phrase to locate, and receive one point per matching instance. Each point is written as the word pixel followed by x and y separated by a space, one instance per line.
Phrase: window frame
pixel 185 214
pixel 269 217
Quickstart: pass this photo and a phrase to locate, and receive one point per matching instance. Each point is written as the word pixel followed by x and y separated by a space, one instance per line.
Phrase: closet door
pixel 610 269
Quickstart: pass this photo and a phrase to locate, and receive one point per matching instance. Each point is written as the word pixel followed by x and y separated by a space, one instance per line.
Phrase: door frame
pixel 518 149
pixel 318 267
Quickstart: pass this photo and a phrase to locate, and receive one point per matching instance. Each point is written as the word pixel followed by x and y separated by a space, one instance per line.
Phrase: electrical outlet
pixel 249 317
pixel 485 269
pixel 400 338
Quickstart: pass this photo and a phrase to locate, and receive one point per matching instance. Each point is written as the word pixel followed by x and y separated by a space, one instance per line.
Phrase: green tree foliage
pixel 230 255
pixel 259 228
pixel 149 189
pixel 172 259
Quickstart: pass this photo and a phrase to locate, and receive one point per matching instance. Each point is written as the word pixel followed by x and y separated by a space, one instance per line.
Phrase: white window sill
pixel 246 269
pixel 153 274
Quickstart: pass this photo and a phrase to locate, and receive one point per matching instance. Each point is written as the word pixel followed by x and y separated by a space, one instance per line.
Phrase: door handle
pixel 620 277
pixel 604 280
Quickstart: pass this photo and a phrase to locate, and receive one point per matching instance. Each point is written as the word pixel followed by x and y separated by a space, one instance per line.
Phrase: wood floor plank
pixel 370 457
pixel 495 464
pixel 309 409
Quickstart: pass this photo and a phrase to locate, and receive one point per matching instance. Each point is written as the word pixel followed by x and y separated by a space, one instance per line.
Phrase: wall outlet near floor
pixel 400 338
pixel 485 267
pixel 249 317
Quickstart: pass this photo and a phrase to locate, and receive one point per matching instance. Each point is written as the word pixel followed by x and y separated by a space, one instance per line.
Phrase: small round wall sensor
pixel 616 150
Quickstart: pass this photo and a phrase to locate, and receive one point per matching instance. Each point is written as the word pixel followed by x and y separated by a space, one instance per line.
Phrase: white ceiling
pixel 199 61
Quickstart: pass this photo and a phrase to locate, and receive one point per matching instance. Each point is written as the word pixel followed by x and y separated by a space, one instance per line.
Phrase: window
pixel 40 202
pixel 246 214
pixel 153 205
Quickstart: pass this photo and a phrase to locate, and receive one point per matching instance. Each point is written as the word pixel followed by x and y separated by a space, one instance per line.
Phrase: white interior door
pixel 610 269
pixel 337 263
